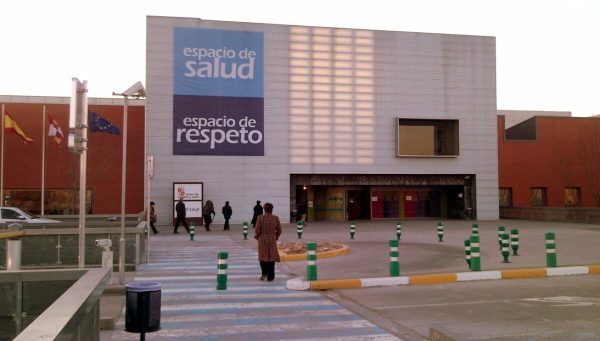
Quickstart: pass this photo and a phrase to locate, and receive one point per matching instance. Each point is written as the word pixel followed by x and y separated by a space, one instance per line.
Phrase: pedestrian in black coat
pixel 227 212
pixel 258 210
pixel 180 210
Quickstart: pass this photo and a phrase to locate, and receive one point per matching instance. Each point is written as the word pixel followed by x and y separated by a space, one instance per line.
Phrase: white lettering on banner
pixel 208 130
pixel 219 63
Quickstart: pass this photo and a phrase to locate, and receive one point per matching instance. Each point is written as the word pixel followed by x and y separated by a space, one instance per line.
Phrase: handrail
pixel 12 234
pixel 62 319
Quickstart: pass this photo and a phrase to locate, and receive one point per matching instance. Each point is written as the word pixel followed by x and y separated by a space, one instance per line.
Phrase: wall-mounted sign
pixel 192 194
pixel 218 92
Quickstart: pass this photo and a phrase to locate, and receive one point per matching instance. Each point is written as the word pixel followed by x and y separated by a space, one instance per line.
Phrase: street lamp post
pixel 135 91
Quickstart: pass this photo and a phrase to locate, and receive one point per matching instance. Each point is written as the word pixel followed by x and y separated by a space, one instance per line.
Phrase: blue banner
pixel 218 62
pixel 218 92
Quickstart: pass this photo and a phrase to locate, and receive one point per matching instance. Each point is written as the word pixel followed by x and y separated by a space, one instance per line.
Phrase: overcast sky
pixel 548 51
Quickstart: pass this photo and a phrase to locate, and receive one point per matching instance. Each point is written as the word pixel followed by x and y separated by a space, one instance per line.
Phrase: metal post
pixel 475 253
pixel 150 173
pixel 83 173
pixel 352 229
pixel 13 254
pixel 2 160
pixel 501 230
pixel 440 231
pixel 222 271
pixel 398 230
pixel 514 241
pixel 123 181
pixel 394 263
pixel 245 230
pixel 550 249
pixel 299 229
pixel 311 257
pixel 468 252
pixel 505 248
pixel 475 228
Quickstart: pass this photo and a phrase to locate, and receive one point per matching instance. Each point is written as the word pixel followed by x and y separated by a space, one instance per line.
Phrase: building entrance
pixel 357 205
pixel 346 197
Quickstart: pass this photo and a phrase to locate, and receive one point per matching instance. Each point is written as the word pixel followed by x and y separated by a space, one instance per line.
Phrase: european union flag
pixel 100 124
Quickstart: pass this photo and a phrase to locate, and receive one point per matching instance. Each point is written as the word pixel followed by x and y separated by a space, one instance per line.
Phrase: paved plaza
pixel 535 309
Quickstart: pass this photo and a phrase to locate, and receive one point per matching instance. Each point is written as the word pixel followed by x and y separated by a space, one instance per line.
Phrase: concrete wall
pixel 408 75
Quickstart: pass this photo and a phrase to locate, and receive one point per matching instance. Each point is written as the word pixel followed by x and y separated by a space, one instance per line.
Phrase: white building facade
pixel 344 124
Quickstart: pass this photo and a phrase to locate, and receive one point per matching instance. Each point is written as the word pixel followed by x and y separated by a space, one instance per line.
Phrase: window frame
pixel 440 126
pixel 510 197
pixel 544 196
pixel 577 196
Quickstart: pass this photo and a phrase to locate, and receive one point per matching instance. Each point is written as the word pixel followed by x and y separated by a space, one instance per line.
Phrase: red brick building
pixel 549 162
pixel 23 162
pixel 546 163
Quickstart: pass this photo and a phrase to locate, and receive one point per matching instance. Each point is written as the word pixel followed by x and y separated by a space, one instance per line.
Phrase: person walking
pixel 208 213
pixel 227 212
pixel 268 230
pixel 180 210
pixel 258 210
pixel 152 218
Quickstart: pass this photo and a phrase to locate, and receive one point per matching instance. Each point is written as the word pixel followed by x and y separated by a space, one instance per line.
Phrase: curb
pixel 320 255
pixel 301 284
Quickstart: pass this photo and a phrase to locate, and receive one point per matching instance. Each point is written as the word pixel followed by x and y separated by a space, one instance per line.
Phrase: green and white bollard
pixel 550 249
pixel 352 229
pixel 311 257
pixel 501 230
pixel 398 230
pixel 468 252
pixel 192 230
pixel 474 228
pixel 299 228
pixel 514 241
pixel 222 271
pixel 505 248
pixel 475 253
pixel 440 232
pixel 394 264
pixel 245 230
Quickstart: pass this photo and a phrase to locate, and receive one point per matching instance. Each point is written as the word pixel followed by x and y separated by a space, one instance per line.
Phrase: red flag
pixel 11 126
pixel 55 131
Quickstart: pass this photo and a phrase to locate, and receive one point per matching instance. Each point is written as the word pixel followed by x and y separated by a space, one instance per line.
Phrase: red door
pixel 410 204
pixel 354 205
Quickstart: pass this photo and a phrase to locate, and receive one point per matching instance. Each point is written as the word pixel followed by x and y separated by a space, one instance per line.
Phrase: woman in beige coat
pixel 268 230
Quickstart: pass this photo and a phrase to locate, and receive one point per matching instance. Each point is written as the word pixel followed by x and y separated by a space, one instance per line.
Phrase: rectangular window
pixel 427 138
pixel 538 196
pixel 572 196
pixel 505 197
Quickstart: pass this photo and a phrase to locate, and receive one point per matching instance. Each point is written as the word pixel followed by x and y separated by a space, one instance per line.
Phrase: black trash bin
pixel 142 307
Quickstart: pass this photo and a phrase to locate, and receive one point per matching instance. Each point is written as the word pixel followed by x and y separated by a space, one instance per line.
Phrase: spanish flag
pixel 11 126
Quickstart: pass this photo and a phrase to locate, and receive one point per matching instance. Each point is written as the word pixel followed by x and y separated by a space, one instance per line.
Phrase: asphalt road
pixel 558 308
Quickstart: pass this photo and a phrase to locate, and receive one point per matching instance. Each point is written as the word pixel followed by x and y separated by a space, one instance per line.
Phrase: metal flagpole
pixel 42 212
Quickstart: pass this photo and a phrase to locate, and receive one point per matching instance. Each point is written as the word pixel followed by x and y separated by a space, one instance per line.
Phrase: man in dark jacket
pixel 180 210
pixel 258 210
pixel 227 212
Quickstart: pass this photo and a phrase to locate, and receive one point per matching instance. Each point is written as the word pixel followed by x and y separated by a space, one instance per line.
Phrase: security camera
pixel 136 90
pixel 104 243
